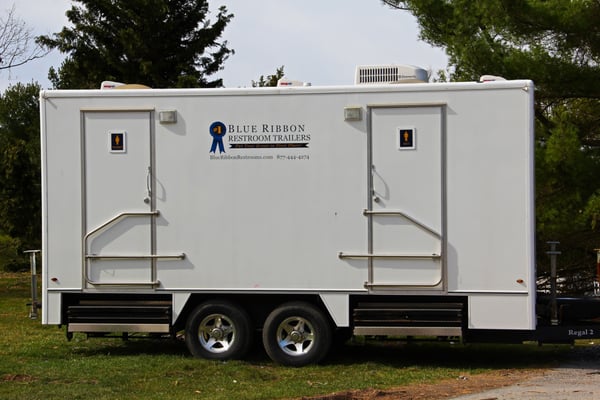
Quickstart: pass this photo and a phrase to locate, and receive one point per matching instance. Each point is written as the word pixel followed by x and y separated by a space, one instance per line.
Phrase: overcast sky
pixel 318 41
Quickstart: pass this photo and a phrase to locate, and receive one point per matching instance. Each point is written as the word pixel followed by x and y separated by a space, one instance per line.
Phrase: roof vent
pixel 283 82
pixel 490 78
pixel 106 85
pixel 377 74
pixel 109 85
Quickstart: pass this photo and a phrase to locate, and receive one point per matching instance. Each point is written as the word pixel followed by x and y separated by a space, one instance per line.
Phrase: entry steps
pixel 408 319
pixel 102 314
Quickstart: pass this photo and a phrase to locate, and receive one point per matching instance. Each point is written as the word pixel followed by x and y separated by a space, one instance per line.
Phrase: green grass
pixel 37 362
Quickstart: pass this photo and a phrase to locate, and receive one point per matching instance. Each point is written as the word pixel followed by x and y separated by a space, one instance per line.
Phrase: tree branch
pixel 15 42
pixel 395 4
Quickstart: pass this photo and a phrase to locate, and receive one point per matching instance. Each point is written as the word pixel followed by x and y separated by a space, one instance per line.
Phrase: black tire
pixel 218 331
pixel 297 334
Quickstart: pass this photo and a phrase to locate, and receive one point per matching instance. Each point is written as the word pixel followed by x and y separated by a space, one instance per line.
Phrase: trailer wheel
pixel 218 331
pixel 296 334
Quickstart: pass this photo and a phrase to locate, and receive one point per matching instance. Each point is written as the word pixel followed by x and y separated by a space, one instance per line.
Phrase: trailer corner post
pixel 553 253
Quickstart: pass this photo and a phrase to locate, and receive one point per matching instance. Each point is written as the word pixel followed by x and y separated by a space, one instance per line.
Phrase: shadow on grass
pixel 132 346
pixel 385 352
pixel 447 355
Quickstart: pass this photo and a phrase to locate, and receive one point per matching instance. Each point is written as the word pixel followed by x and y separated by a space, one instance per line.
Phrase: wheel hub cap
pixel 296 336
pixel 217 334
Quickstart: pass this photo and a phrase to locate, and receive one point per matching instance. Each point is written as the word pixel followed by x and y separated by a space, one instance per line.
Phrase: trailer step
pixel 118 313
pixel 411 319
pixel 105 328
pixel 407 331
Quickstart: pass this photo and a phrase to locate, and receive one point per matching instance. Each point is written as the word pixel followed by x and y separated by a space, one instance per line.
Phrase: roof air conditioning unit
pixel 377 74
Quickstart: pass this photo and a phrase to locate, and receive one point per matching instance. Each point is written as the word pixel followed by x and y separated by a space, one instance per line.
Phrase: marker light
pixel 352 114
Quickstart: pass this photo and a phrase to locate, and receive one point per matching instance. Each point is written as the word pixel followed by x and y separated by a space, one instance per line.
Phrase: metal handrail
pixel 405 256
pixel 96 283
pixel 179 256
pixel 395 213
pixel 115 219
pixel 434 256
pixel 108 223
pixel 371 256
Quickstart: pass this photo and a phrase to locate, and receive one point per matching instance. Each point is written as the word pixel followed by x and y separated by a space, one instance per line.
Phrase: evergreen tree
pixel 556 43
pixel 159 43
pixel 270 80
pixel 20 207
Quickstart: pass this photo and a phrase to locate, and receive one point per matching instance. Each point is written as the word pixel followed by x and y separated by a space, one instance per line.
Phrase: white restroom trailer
pixel 307 213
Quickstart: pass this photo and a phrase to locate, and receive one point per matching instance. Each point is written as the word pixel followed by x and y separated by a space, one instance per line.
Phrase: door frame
pixel 442 286
pixel 152 213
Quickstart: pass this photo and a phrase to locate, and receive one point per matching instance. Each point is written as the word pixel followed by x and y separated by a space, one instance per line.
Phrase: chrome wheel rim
pixel 295 336
pixel 216 333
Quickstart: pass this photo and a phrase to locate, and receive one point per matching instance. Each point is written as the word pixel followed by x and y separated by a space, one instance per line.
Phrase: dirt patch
pixel 17 378
pixel 446 389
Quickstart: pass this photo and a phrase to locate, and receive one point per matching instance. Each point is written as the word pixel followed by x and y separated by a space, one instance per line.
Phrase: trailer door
pixel 118 202
pixel 406 209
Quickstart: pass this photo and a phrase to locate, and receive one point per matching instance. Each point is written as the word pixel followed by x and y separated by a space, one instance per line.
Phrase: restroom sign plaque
pixel 406 138
pixel 118 142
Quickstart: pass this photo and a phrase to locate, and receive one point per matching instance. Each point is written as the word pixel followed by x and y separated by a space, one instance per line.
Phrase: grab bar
pixel 395 213
pixel 108 223
pixel 115 219
pixel 341 254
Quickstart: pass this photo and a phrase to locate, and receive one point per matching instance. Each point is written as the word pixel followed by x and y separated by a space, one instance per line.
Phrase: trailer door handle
pixel 148 186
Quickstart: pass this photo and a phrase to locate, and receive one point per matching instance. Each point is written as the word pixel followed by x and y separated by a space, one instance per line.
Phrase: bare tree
pixel 17 42
pixel 396 4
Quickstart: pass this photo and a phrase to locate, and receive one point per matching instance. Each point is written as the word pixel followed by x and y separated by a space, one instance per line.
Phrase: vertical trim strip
pixel 82 116
pixel 152 166
pixel 370 193
pixel 444 199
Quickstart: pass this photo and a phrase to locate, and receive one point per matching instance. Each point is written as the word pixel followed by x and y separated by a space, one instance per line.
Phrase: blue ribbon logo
pixel 217 131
